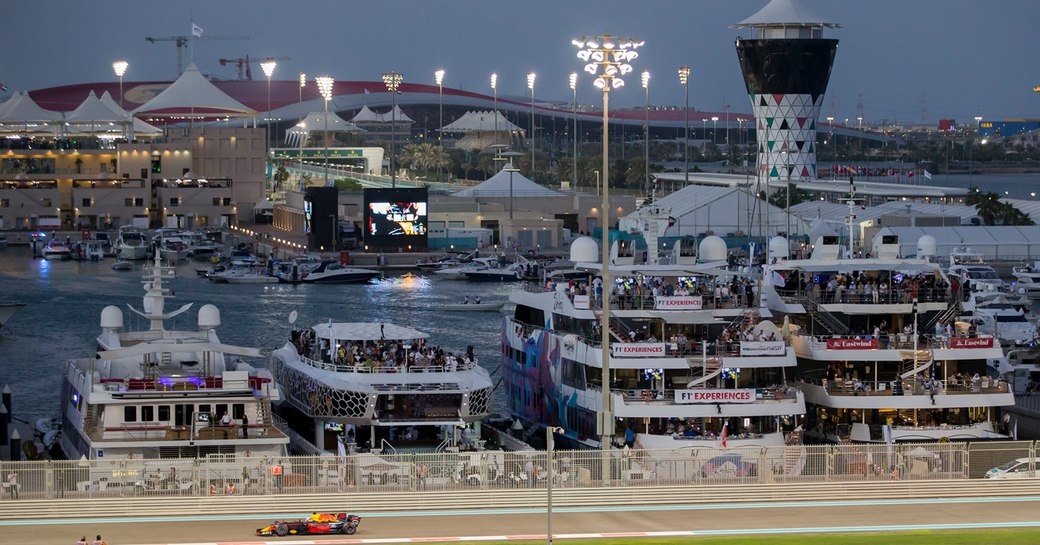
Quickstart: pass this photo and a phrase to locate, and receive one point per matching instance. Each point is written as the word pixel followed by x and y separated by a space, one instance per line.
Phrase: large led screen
pixel 396 218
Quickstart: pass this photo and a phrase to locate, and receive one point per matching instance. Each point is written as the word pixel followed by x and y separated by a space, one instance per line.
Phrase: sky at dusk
pixel 965 57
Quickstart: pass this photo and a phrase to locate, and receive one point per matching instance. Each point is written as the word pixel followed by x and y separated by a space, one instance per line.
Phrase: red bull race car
pixel 317 523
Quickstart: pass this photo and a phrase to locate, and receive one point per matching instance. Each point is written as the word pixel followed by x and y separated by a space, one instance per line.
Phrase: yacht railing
pixel 897 387
pixel 880 297
pixel 164 432
pixel 381 368
pixel 662 396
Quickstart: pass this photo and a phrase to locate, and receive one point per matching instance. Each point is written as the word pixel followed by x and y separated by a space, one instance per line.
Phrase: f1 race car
pixel 317 523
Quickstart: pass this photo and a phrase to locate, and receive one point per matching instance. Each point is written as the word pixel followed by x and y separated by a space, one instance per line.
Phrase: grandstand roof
pixel 368 116
pixel 193 94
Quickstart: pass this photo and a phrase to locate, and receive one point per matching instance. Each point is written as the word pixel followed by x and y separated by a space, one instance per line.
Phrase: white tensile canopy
pixel 499 184
pixel 22 109
pixel 315 121
pixel 141 128
pixel 365 115
pixel 93 111
pixel 193 94
pixel 480 121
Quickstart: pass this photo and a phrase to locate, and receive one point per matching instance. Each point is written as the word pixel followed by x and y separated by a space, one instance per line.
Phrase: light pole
pixel 530 85
pixel 848 146
pixel 573 81
pixel 684 79
pixel 607 58
pixel 303 138
pixel 303 83
pixel 439 77
pixel 714 131
pixel 971 146
pixel 325 88
pixel 860 121
pixel 494 91
pixel 120 69
pixel 268 67
pixel 834 167
pixel 393 81
pixel 645 79
pixel 550 475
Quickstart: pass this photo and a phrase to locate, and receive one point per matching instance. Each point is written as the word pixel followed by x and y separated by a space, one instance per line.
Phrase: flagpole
pixel 191 45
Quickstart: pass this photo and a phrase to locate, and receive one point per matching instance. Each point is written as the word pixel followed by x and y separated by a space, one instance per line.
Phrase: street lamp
pixel 393 81
pixel 120 69
pixel 325 88
pixel 494 91
pixel 303 138
pixel 550 476
pixel 971 145
pixel 607 58
pixel 646 129
pixel 573 81
pixel 439 77
pixel 860 121
pixel 714 131
pixel 834 167
pixel 268 67
pixel 530 85
pixel 684 79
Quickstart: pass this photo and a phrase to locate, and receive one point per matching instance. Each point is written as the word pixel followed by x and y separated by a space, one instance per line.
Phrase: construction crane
pixel 182 41
pixel 244 64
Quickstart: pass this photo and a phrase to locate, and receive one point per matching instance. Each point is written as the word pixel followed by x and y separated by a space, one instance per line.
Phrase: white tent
pixel 22 109
pixel 499 186
pixel 365 115
pixel 140 127
pixel 315 121
pixel 724 210
pixel 480 121
pixel 192 94
pixel 1009 242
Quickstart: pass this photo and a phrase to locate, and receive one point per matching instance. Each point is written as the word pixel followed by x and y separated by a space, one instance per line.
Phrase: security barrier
pixel 579 477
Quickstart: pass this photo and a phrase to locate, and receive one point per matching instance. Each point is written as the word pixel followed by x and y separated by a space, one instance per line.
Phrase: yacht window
pixel 572 373
pixel 130 414
pixel 1011 318
pixel 148 413
pixel 221 409
pixel 205 408
pixel 238 410
pixel 164 413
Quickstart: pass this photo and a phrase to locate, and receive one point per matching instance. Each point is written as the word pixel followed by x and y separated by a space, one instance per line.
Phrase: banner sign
pixel 852 344
pixel 637 350
pixel 581 301
pixel 762 348
pixel 680 302
pixel 715 396
pixel 971 342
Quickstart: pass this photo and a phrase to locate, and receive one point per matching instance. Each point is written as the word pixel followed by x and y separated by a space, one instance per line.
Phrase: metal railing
pixel 380 367
pixel 700 463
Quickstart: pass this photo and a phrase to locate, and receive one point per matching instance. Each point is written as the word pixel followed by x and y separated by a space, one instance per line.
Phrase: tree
pixel 779 197
pixel 280 176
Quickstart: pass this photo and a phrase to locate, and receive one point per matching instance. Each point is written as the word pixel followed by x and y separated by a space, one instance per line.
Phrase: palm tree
pixel 486 164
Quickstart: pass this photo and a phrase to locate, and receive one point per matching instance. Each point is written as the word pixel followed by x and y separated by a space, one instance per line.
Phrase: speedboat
pixel 512 272
pixel 458 272
pixel 331 272
pixel 56 249
pixel 173 248
pixel 122 264
pixel 241 272
pixel 378 383
pixel 474 307
pixel 165 393
pixel 131 243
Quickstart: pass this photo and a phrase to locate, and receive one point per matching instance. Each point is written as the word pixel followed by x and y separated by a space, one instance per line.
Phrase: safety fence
pixel 244 475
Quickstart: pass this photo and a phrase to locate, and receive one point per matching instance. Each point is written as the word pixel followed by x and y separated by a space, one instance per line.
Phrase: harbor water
pixel 64 301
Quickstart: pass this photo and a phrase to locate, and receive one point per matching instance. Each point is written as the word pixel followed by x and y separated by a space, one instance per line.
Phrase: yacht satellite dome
pixel 209 317
pixel 584 250
pixel 712 248
pixel 111 317
pixel 779 248
pixel 927 246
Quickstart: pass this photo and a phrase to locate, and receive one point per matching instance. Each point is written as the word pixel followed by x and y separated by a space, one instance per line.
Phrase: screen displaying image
pixel 396 218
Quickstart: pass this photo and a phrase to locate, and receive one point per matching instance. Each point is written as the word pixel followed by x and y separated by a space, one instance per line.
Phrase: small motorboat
pixel 474 307
pixel 122 264
pixel 56 250
pixel 331 272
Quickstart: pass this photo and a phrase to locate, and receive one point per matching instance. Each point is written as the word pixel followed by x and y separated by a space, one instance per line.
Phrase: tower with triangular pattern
pixel 786 63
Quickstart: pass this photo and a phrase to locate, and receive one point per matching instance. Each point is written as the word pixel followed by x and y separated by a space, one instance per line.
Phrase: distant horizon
pixel 913 63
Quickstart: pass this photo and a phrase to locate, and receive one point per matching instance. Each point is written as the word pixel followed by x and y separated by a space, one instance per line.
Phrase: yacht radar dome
pixel 209 317
pixel 584 250
pixel 927 246
pixel 111 318
pixel 779 248
pixel 712 248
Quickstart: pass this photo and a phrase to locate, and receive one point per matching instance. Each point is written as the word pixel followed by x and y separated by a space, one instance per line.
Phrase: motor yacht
pixel 332 272
pixel 381 384
pixel 879 356
pixel 56 249
pixel 162 393
pixel 693 361
pixel 173 248
pixel 131 243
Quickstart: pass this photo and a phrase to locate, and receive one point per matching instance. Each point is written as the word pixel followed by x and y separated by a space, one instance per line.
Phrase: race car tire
pixel 281 530
pixel 349 530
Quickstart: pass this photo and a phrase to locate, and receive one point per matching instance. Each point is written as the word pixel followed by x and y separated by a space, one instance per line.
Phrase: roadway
pixel 718 519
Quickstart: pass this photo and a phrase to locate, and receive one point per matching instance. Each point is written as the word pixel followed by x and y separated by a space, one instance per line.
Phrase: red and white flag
pixel 722 438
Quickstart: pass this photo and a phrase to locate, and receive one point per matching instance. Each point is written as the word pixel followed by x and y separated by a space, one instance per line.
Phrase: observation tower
pixel 786 63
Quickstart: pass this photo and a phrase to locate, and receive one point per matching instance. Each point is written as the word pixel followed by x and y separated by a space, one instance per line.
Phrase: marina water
pixel 64 301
